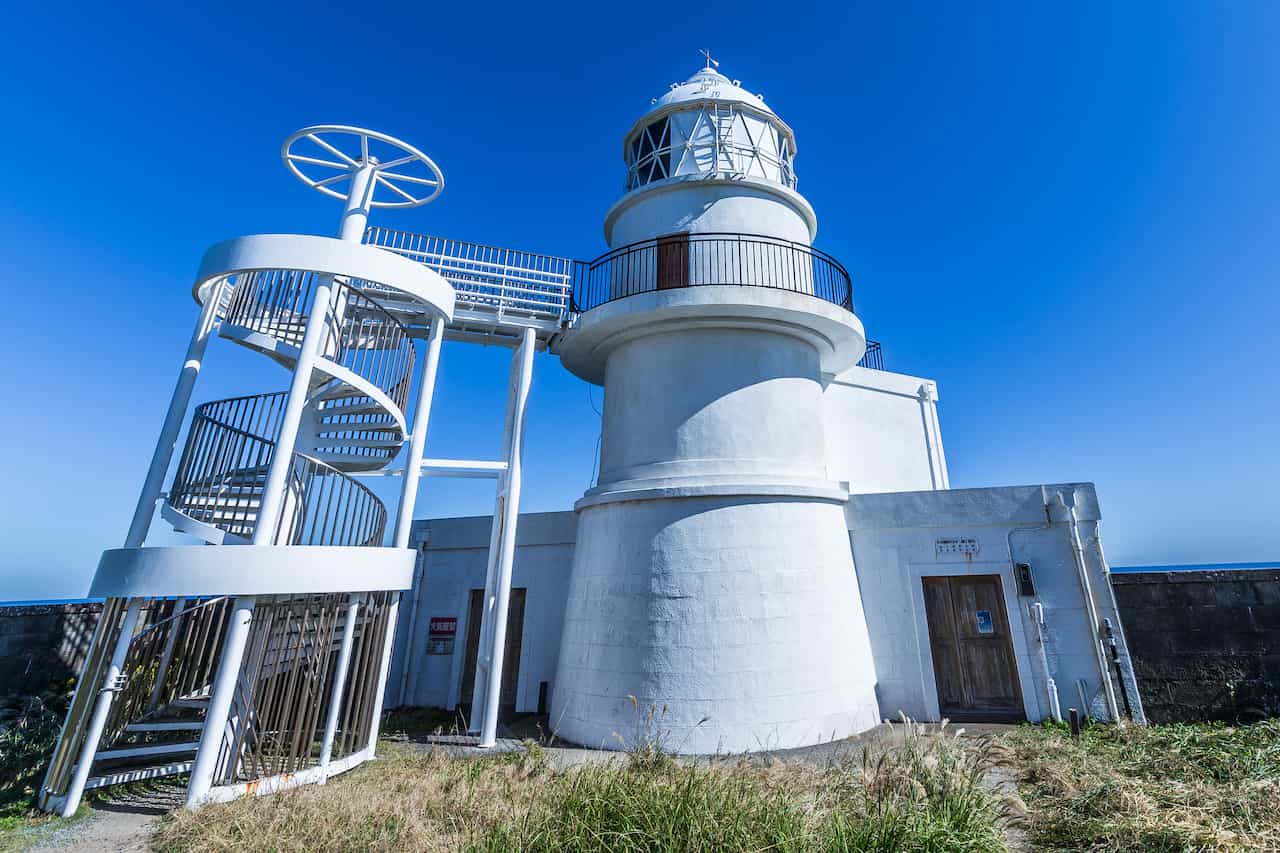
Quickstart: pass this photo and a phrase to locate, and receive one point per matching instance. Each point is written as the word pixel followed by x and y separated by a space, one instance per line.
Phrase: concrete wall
pixel 451 564
pixel 1206 644
pixel 895 544
pixel 43 644
pixel 882 432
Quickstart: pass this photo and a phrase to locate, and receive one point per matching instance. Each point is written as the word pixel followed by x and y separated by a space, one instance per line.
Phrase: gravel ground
pixel 124 824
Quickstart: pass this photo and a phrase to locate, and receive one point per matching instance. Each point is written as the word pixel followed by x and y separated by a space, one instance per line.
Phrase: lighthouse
pixel 712 598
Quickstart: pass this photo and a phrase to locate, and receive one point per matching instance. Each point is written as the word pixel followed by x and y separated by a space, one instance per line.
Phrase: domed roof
pixel 709 84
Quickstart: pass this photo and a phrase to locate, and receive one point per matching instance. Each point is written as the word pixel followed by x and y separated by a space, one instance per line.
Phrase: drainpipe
pixel 1037 616
pixel 1095 626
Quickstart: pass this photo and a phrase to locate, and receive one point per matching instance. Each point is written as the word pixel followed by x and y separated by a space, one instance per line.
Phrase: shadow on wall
pixel 42 647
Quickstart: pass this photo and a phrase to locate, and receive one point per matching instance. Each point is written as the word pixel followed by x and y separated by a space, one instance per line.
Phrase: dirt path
pixel 125 824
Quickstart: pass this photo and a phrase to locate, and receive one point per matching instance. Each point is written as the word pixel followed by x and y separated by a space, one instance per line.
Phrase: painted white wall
pixel 894 544
pixel 713 401
pixel 738 615
pixel 882 432
pixel 452 564
pixel 703 206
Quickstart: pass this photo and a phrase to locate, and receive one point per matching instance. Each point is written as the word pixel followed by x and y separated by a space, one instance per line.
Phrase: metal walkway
pixel 500 292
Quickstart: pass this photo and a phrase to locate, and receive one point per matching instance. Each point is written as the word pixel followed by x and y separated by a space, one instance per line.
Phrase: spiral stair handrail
pixel 355 421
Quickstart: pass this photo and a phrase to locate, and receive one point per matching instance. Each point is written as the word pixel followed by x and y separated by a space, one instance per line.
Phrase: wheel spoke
pixel 316 161
pixel 395 188
pixel 334 151
pixel 364 148
pixel 399 161
pixel 344 176
pixel 430 182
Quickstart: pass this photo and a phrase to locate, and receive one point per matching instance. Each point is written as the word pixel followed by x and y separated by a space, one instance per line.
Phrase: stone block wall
pixel 43 645
pixel 1205 644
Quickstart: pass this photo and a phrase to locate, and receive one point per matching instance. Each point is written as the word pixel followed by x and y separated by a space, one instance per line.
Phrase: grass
pixel 1162 788
pixel 925 795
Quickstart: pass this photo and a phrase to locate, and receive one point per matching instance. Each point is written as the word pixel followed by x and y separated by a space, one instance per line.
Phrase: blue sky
pixel 1067 215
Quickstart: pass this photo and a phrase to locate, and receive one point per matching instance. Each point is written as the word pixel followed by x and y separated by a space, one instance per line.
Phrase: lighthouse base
pixel 727 623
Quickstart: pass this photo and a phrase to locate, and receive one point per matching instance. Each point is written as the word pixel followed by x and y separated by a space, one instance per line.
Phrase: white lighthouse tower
pixel 712 577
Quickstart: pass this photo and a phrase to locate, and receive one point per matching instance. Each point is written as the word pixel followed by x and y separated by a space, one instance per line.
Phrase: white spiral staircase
pixel 353 423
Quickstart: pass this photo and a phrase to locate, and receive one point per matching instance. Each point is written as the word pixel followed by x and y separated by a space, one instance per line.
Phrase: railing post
pixel 106 695
pixel 339 679
pixel 224 688
pixel 380 694
pixel 166 656
pixel 174 417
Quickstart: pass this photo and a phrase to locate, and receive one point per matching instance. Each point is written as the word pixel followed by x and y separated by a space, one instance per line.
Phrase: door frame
pixel 1017 711
pixel 1019 626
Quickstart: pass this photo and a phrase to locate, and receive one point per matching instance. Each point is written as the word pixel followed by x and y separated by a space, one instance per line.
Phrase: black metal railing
pixel 692 260
pixel 873 357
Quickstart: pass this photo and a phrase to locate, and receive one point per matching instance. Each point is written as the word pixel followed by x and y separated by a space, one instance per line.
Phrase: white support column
pixel 340 678
pixel 224 688
pixel 163 454
pixel 507 545
pixel 100 710
pixel 418 439
pixel 484 652
pixel 273 491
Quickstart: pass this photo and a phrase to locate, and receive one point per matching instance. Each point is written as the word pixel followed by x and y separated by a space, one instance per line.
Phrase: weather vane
pixel 710 62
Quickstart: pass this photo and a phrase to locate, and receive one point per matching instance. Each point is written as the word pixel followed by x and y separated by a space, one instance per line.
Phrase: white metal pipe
pixel 340 678
pixel 273 491
pixel 511 518
pixel 224 688
pixel 418 439
pixel 1051 685
pixel 173 418
pixel 106 695
pixel 480 680
pixel 356 215
pixel 1095 625
pixel 406 664
pixel 354 218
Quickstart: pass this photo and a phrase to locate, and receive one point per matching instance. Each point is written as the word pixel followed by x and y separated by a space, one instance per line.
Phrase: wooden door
pixel 973 661
pixel 673 261
pixel 510 658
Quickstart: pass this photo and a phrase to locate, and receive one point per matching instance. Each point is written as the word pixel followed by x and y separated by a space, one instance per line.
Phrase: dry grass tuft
pixel 1174 788
pixel 925 795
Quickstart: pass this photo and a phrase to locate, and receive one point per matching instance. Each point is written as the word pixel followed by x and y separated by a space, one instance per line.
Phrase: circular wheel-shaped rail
pixel 326 156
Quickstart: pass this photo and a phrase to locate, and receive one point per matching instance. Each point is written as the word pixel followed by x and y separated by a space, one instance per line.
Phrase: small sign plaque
pixel 985 625
pixel 441 632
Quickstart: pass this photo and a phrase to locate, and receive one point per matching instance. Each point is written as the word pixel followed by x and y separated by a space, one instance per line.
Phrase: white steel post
pixel 388 643
pixel 224 688
pixel 418 440
pixel 480 680
pixel 99 721
pixel 173 418
pixel 356 214
pixel 340 679
pixel 506 553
